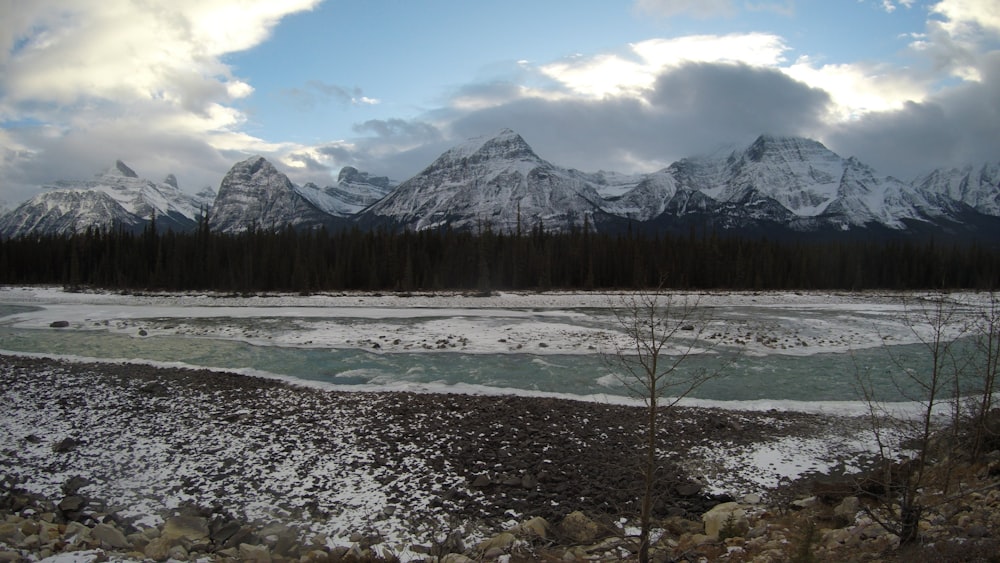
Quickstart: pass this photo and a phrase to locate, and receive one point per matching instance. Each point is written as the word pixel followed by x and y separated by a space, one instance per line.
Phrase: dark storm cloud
pixel 690 109
pixel 958 126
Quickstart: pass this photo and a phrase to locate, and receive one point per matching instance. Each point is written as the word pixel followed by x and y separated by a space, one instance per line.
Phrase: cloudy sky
pixel 191 86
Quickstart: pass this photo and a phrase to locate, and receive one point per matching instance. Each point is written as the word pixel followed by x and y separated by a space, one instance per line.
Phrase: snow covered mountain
pixel 497 182
pixel 115 198
pixel 783 182
pixel 255 194
pixel 354 191
pixel 976 186
pixel 776 186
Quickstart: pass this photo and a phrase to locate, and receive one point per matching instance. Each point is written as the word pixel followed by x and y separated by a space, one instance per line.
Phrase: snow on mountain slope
pixel 649 198
pixel 142 197
pixel 977 186
pixel 66 211
pixel 800 174
pixel 785 180
pixel 116 197
pixel 354 191
pixel 495 181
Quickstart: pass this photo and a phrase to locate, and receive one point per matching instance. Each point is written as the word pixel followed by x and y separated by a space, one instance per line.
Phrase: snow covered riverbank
pixel 150 441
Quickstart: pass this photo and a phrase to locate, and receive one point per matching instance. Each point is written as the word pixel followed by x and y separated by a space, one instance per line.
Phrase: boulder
pixel 481 481
pixel 536 527
pixel 76 533
pixel 501 542
pixel 188 529
pixel 803 503
pixel 847 510
pixel 109 536
pixel 225 530
pixel 10 533
pixel 72 503
pixel 177 553
pixel 723 516
pixel 315 556
pixel 578 528
pixel 688 489
pixel 59 324
pixel 158 549
pixel 73 485
pixel 254 553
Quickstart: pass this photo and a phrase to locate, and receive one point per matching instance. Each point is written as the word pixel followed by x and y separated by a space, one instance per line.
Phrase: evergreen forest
pixel 308 261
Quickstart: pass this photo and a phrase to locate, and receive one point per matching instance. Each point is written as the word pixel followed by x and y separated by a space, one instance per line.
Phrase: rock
pixel 315 556
pixel 529 481
pixel 73 485
pixel 728 517
pixel 577 527
pixel 59 324
pixel 803 503
pixel 832 491
pixel 72 503
pixel 10 533
pixel 453 543
pixel 254 553
pixel 977 531
pixel 751 498
pixel 65 445
pixel 9 556
pixel 688 489
pixel 177 553
pixel 456 558
pixel 243 535
pixel 158 549
pixel 481 481
pixel 537 527
pixel 225 531
pixel 501 541
pixel 185 529
pixel 109 536
pixel 847 510
pixel 76 533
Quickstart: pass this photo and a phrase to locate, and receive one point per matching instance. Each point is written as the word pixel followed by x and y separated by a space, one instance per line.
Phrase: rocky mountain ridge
pixel 115 198
pixel 783 186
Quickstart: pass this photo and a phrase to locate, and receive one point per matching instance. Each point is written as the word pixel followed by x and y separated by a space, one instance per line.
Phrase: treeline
pixel 308 261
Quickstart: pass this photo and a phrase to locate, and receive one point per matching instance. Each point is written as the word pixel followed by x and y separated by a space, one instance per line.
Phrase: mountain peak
pixel 170 180
pixel 506 145
pixel 768 144
pixel 121 169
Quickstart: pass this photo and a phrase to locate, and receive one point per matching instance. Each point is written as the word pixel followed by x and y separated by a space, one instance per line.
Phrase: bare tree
pixel 662 331
pixel 938 325
pixel 987 337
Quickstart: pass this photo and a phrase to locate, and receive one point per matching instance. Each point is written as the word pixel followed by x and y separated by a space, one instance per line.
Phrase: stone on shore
pixel 724 516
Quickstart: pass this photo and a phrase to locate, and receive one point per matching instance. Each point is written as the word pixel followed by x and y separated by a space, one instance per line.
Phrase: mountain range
pixel 776 186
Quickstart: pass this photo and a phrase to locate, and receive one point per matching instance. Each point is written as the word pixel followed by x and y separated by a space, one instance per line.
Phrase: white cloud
pixel 859 88
pixel 636 70
pixel 127 75
pixel 969 16
pixel 890 5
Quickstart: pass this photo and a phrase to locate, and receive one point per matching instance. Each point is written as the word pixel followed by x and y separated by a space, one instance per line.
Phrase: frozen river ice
pixel 797 350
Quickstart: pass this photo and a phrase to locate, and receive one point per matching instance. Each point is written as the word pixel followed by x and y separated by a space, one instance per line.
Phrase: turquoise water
pixel 819 377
